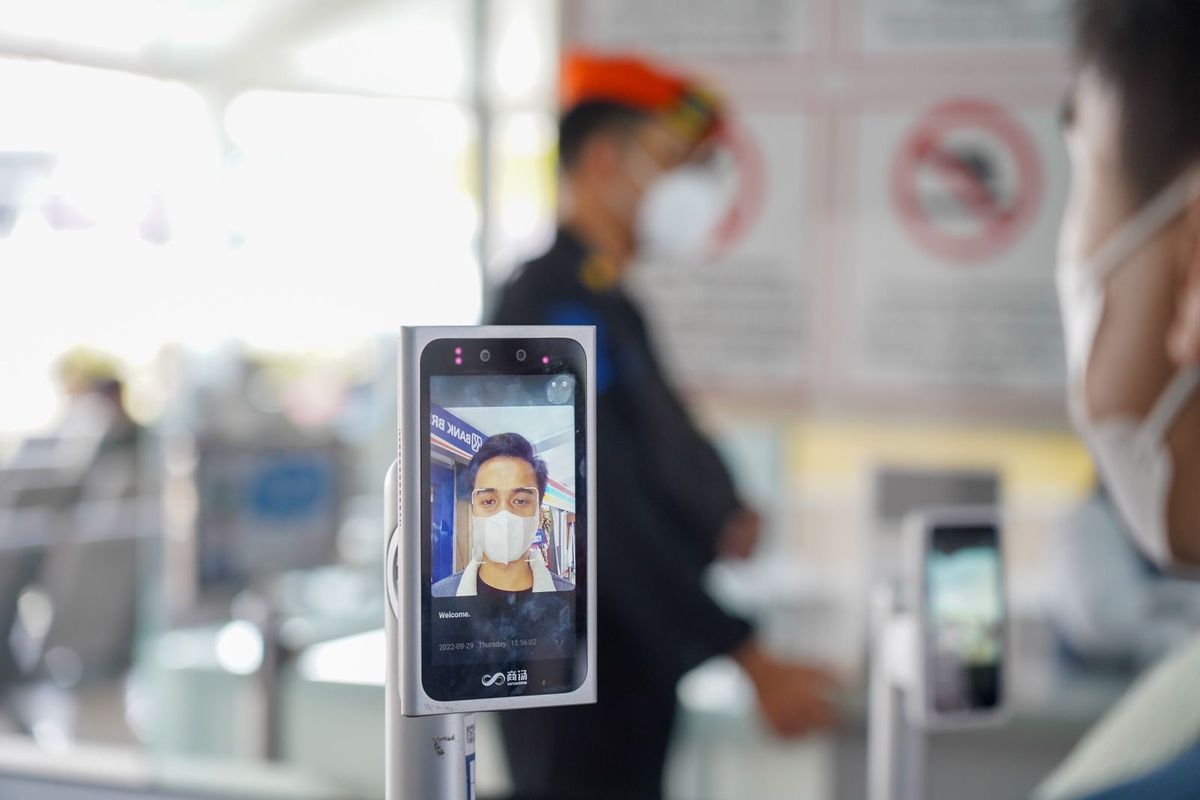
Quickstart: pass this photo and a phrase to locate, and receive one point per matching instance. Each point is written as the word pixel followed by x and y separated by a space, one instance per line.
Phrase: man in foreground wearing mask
pixel 1129 289
pixel 667 505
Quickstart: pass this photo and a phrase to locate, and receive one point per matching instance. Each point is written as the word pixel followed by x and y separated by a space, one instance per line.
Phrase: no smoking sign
pixel 966 181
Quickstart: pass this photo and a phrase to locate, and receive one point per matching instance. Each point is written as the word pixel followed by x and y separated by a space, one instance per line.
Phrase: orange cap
pixel 633 82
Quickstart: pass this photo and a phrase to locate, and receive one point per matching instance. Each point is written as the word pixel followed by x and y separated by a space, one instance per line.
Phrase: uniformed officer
pixel 667 504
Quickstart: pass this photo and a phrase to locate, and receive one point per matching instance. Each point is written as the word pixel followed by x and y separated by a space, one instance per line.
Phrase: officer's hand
pixel 740 535
pixel 795 699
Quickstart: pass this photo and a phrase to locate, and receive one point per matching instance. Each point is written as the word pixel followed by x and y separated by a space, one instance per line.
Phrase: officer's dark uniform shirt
pixel 663 496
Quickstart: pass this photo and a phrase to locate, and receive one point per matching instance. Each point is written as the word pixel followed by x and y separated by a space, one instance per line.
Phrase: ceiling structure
pixel 410 48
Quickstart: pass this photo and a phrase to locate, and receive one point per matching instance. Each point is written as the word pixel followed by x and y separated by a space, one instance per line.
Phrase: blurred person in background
pixel 1129 290
pixel 96 395
pixel 629 135
pixel 67 579
pixel 91 450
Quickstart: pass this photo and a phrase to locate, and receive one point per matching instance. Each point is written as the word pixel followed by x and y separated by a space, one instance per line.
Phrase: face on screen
pixel 503 556
pixel 965 618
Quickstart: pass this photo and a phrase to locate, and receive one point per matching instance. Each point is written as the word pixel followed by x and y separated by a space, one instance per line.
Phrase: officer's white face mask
pixel 681 211
pixel 504 536
pixel 681 208
pixel 1132 455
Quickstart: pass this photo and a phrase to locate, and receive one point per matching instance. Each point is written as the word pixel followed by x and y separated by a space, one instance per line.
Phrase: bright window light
pixel 334 219
pixel 358 213
pixel 418 48
pixel 524 52
pixel 116 26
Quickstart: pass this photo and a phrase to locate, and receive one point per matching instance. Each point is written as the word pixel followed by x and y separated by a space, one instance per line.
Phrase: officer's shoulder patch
pixel 598 273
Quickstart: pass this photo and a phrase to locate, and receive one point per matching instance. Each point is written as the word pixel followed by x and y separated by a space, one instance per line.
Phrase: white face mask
pixel 680 212
pixel 1132 455
pixel 504 536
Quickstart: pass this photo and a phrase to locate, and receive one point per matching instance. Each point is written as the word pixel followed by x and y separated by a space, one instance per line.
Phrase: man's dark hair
pixel 1149 51
pixel 509 445
pixel 585 120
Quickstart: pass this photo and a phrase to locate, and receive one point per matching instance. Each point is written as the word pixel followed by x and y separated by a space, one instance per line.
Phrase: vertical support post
pixel 481 103
pixel 256 606
pixel 896 742
pixel 885 703
pixel 915 755
pixel 272 686
pixel 425 758
pixel 431 758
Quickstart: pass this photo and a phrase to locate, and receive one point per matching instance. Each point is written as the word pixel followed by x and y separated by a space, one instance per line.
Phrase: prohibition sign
pixel 747 201
pixel 966 181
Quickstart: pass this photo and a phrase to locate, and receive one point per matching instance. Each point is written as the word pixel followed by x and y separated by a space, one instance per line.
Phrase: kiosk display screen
pixel 504 548
pixel 965 618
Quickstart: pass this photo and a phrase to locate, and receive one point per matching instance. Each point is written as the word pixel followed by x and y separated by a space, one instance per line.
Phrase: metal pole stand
pixel 896 741
pixel 426 758
pixel 430 758
pixel 257 606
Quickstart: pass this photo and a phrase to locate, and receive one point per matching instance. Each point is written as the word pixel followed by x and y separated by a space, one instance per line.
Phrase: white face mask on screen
pixel 504 536
pixel 1131 455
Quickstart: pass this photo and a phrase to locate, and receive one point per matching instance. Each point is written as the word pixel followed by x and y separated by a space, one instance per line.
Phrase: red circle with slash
pixel 748 201
pixel 966 181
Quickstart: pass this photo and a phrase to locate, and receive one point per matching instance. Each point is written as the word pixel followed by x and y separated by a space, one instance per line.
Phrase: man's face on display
pixel 505 484
pixel 1134 354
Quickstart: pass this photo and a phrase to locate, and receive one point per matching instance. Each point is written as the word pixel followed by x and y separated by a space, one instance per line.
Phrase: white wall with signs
pixel 909 179
pixel 735 320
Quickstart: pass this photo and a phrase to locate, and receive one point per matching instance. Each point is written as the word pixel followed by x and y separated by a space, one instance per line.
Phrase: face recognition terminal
pixel 489 541
pixel 960 610
pixel 939 644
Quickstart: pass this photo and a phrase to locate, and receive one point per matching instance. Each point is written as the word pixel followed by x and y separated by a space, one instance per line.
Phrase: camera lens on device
pixel 485 355
pixel 521 355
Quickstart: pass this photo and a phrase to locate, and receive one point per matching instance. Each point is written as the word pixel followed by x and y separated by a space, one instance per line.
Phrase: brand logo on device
pixel 514 677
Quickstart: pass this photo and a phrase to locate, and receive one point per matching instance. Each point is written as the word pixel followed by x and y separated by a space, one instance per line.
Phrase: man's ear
pixel 1183 337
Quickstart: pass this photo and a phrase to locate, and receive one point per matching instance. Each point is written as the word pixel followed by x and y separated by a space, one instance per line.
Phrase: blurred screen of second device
pixel 965 618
